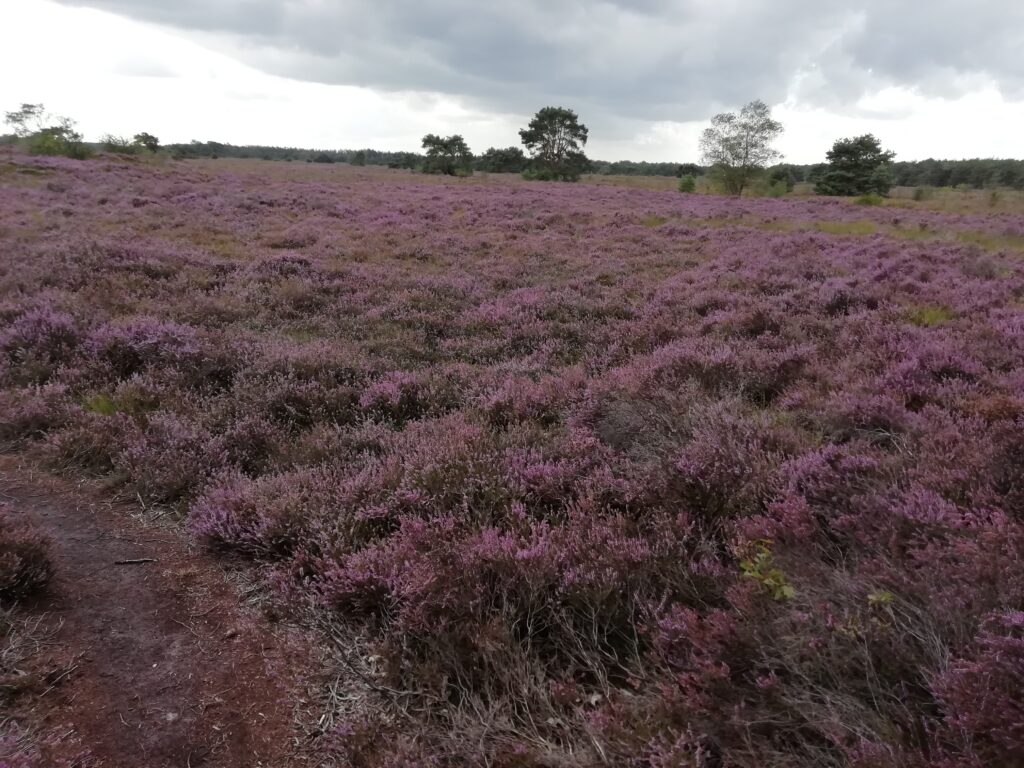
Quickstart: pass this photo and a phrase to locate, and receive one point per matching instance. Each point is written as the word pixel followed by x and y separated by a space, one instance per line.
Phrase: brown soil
pixel 159 665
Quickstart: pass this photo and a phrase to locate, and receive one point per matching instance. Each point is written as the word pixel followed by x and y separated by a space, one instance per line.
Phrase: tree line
pixel 736 151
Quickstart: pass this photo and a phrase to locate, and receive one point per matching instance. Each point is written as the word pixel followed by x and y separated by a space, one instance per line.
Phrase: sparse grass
pixel 957 200
pixel 25 675
pixel 930 315
pixel 857 228
pixel 990 242
pixel 870 200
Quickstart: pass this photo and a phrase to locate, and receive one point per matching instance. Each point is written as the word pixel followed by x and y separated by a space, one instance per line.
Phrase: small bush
pixel 36 344
pixel 59 141
pixel 539 174
pixel 92 442
pixel 870 199
pixel 25 565
pixel 119 145
pixel 27 414
pixel 687 184
pixel 171 460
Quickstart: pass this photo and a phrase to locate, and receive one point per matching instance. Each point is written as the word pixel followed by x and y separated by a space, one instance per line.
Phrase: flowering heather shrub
pixel 268 517
pixel 35 344
pixel 607 476
pixel 92 443
pixel 171 459
pixel 32 412
pixel 984 693
pixel 25 565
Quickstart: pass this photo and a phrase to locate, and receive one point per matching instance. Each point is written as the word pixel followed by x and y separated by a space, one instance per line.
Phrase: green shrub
pixel 539 174
pixel 118 145
pixel 687 184
pixel 58 141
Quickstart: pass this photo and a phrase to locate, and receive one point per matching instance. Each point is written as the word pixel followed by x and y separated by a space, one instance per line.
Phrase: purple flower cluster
pixel 605 475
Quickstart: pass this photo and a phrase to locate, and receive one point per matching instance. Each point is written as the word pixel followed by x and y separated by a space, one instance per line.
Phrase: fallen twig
pixel 136 561
pixel 57 679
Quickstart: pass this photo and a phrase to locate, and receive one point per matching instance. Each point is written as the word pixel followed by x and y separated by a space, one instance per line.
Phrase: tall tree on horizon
pixel 857 166
pixel 738 146
pixel 555 139
pixel 448 155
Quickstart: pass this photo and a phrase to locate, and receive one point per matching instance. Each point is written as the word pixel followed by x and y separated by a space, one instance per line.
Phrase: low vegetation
pixel 596 475
pixel 25 565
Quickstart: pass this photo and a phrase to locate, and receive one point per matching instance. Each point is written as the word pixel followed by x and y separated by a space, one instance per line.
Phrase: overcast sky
pixel 931 78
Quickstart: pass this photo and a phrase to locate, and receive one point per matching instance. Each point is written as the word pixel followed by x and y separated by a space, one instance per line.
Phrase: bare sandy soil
pixel 153 662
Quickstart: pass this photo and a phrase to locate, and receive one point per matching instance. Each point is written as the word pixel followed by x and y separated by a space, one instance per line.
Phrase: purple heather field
pixel 586 475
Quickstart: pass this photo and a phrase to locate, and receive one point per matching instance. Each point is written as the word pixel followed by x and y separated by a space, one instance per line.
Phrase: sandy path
pixel 167 671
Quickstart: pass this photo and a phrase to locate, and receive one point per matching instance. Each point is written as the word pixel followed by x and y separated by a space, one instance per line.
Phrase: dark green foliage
pixel 738 146
pixel 788 175
pixel 322 157
pixel 815 173
pixel 354 157
pixel 508 160
pixel 555 139
pixel 449 155
pixel 976 173
pixel 633 168
pixel 146 141
pixel 857 166
pixel 687 184
pixel 61 139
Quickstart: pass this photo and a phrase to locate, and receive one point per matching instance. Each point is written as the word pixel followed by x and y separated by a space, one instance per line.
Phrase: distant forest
pixel 978 173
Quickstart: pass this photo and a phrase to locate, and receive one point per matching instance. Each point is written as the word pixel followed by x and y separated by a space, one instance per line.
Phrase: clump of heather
pixel 25 563
pixel 596 475
pixel 35 344
pixel 983 692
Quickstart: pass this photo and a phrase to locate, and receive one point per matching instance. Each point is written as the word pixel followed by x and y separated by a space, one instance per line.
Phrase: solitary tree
pixel 687 183
pixel 449 155
pixel 555 139
pixel 738 146
pixel 147 141
pixel 856 166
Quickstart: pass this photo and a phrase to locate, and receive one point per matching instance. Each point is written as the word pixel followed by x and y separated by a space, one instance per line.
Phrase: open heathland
pixel 589 475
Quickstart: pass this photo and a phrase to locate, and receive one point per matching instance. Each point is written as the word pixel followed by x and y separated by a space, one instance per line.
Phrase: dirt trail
pixel 165 668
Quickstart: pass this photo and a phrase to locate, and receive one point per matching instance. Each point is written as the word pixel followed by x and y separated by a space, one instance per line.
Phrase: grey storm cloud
pixel 627 59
